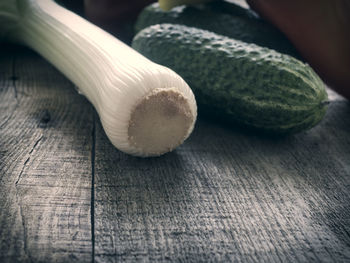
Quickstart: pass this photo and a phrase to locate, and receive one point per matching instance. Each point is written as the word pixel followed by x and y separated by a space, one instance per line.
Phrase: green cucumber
pixel 223 18
pixel 244 83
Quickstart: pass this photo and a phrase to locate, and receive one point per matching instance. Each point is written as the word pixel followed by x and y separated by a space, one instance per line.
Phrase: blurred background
pixel 115 16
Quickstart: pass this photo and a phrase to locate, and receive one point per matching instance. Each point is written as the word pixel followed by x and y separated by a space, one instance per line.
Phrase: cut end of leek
pixel 146 109
pixel 160 122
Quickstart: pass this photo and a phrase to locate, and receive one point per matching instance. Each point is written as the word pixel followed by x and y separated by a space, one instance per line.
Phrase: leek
pixel 145 109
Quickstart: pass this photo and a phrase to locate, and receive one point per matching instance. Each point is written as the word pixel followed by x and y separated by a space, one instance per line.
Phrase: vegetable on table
pixel 146 109
pixel 239 82
pixel 222 17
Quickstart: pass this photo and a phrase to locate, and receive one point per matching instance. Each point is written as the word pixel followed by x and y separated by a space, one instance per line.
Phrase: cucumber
pixel 242 83
pixel 223 18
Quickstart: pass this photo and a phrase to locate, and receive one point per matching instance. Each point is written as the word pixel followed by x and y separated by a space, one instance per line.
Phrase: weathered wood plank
pixel 45 164
pixel 222 196
pixel 226 196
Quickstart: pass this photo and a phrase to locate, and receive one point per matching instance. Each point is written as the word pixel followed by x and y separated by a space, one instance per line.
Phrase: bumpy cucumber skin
pixel 222 18
pixel 243 83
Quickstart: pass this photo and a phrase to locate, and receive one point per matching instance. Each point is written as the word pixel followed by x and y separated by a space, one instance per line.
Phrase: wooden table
pixel 67 195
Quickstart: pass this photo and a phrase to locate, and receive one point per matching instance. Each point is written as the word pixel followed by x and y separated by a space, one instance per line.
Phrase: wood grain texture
pixel 67 195
pixel 45 166
pixel 225 196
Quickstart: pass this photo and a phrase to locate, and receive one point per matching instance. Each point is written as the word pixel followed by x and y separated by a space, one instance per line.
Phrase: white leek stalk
pixel 145 109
